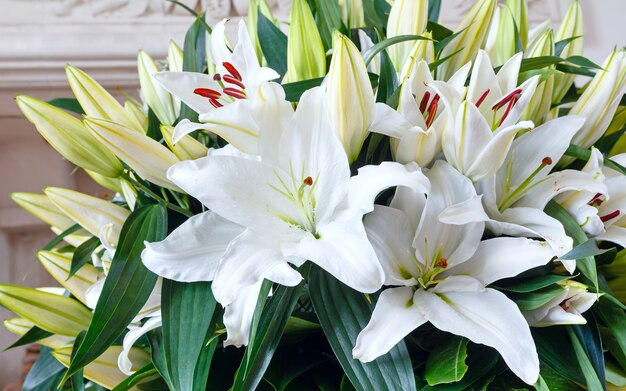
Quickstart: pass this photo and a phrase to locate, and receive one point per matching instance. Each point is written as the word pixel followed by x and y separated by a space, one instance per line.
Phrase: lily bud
pixel 572 26
pixel 48 311
pixel 129 192
pixel 254 7
pixel 92 213
pixel 541 101
pixel 59 265
pixel 41 207
pixel 147 157
pixel 600 100
pixel 513 16
pixel 135 111
pixel 306 58
pixel 157 98
pixel 21 326
pixel 112 184
pixel 174 57
pixel 474 26
pixel 68 136
pixel 103 370
pixel 619 120
pixel 423 50
pixel 349 95
pixel 407 17
pixel 96 101
pixel 352 13
pixel 567 308
pixel 187 148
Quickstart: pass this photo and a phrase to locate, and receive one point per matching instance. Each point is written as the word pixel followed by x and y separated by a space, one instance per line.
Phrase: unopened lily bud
pixel 512 23
pixel 148 158
pixel 600 99
pixel 157 98
pixel 112 184
pixel 41 207
pixel 352 13
pixel 48 311
pixel 349 95
pixel 92 213
pixel 59 265
pixel 104 370
pixel 567 308
pixel 129 192
pixel 306 58
pixel 423 50
pixel 21 326
pixel 519 11
pixel 254 7
pixel 174 57
pixel 136 112
pixel 407 17
pixel 474 26
pixel 572 26
pixel 68 136
pixel 96 101
pixel 541 101
pixel 187 148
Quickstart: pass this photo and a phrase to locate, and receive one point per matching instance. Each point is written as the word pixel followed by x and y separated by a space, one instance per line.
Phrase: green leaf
pixel 154 127
pixel 194 58
pixel 615 320
pixel 582 62
pixel 43 373
pixel 382 45
pixel 59 238
pixel 560 45
pixel 572 70
pixel 446 363
pixel 273 44
pixel 591 377
pixel 82 255
pixel 265 336
pixel 445 41
pixel 388 81
pixel 434 9
pixel 533 284
pixel 533 300
pixel 158 354
pixel 589 337
pixel 585 154
pixel 293 91
pixel 343 313
pixel 586 249
pixel 529 64
pixel 127 286
pixel 147 371
pixel 439 32
pixel 587 265
pixel 187 309
pixel 77 381
pixel 69 104
pixel 555 350
pixel 328 20
pixel 31 336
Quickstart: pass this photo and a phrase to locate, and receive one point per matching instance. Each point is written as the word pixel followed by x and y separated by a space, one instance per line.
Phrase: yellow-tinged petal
pixel 68 136
pixel 174 57
pixel 148 158
pixel 20 326
pixel 96 101
pixel 352 13
pixel 136 112
pixel 129 192
pixel 90 212
pixel 48 311
pixel 104 370
pixel 540 103
pixel 157 98
pixel 59 264
pixel 41 207
pixel 422 50
pixel 187 148
pixel 572 26
pixel 306 58
pixel 112 184
pixel 407 17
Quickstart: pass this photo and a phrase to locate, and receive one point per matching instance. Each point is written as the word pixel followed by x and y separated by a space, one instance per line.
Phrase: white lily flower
pixel 442 272
pixel 611 206
pixel 566 308
pixel 294 203
pixel 226 101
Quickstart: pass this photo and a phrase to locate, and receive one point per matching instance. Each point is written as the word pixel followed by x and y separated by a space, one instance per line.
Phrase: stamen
pixel 610 216
pixel 596 200
pixel 232 80
pixel 232 70
pixel 508 109
pixel 308 181
pixel 507 99
pixel 564 305
pixel 523 187
pixel 215 103
pixel 482 98
pixel 442 263
pixel 424 101
pixel 235 93
pixel 546 161
pixel 207 93
pixel 432 111
pixel 217 77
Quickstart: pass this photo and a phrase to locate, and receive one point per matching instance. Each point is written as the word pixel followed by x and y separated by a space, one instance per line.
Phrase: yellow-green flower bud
pixel 149 159
pixel 512 17
pixel 254 7
pixel 21 326
pixel 187 148
pixel 41 207
pixel 68 136
pixel 352 13
pixel 112 184
pixel 306 58
pixel 174 57
pixel 407 17
pixel 474 26
pixel 572 26
pixel 136 112
pixel 422 50
pixel 157 98
pixel 59 265
pixel 48 311
pixel 541 101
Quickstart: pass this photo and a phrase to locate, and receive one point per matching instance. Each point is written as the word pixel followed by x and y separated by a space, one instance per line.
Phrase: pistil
pixel 524 186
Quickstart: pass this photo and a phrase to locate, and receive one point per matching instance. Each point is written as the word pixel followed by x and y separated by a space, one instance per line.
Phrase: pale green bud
pixel 541 101
pixel 352 13
pixel 68 136
pixel 174 57
pixel 422 50
pixel 513 16
pixel 59 265
pixel 129 192
pixel 306 58
pixel 187 148
pixel 41 207
pixel 407 17
pixel 21 326
pixel 254 7
pixel 136 112
pixel 157 98
pixel 572 26
pixel 112 184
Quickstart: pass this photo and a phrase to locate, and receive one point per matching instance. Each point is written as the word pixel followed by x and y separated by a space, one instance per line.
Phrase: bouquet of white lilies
pixel 360 199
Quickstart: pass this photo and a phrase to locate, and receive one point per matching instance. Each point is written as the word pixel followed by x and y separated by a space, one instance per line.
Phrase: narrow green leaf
pixel 187 309
pixel 69 104
pixel 59 238
pixel 158 355
pixel 194 58
pixel 434 9
pixel 586 249
pixel 614 319
pixel 533 300
pixel 382 45
pixel 533 284
pixel 555 350
pixel 388 80
pixel 273 44
pixel 585 154
pixel 266 336
pixel 147 371
pixel 31 336
pixel 560 46
pixel 583 62
pixel 82 255
pixel 446 363
pixel 572 70
pixel 127 286
pixel 328 20
pixel 439 32
pixel 343 313
pixel 77 381
pixel 43 373
pixel 591 377
pixel 445 41
pixel 154 126
pixel 529 64
pixel 589 337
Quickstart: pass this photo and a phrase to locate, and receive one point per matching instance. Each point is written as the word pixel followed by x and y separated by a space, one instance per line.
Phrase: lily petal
pixel 182 85
pixel 123 360
pixel 238 315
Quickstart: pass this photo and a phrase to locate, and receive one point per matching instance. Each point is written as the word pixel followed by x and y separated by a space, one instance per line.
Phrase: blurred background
pixel 38 37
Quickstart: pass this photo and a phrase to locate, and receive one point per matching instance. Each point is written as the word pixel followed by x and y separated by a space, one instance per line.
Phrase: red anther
pixel 232 80
pixel 513 95
pixel 596 200
pixel 546 161
pixel 512 103
pixel 217 77
pixel 235 93
pixel 232 70
pixel 207 93
pixel 564 305
pixel 424 101
pixel 214 102
pixel 482 98
pixel 610 216
pixel 431 113
pixel 308 181
pixel 442 262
